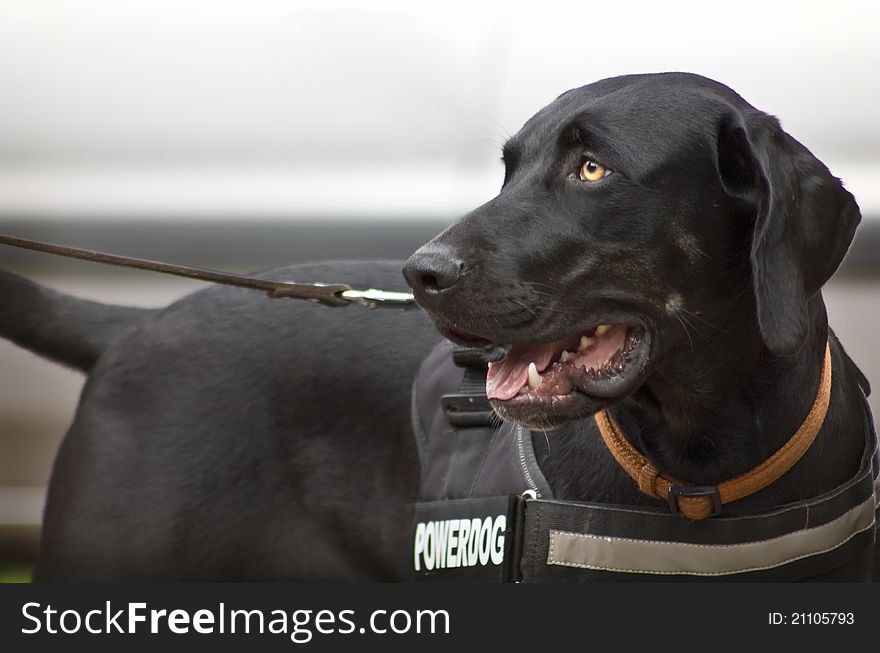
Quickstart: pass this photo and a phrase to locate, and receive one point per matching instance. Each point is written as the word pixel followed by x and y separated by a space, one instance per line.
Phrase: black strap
pixel 468 405
pixel 470 414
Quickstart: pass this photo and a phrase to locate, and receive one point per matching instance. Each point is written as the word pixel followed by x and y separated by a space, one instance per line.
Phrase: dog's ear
pixel 804 221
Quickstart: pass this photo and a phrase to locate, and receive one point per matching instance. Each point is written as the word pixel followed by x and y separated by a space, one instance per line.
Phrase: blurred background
pixel 248 134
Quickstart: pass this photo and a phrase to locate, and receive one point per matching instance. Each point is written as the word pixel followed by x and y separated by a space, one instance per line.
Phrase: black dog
pixel 661 217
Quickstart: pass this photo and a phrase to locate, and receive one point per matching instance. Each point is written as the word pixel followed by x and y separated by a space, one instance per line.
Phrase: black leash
pixel 328 294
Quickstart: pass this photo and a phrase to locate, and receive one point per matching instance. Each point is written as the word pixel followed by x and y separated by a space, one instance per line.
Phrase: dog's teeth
pixel 602 328
pixel 534 377
pixel 585 342
pixel 566 356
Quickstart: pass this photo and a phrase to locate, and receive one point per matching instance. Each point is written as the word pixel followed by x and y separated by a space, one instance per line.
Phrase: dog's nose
pixel 431 271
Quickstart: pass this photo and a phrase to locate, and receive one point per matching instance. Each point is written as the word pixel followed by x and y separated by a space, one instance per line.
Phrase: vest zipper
pixel 522 461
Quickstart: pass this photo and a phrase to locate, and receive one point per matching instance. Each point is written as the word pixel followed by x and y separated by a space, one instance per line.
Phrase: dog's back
pixel 229 436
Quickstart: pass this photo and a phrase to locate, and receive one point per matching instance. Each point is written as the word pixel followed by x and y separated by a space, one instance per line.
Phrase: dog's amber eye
pixel 592 171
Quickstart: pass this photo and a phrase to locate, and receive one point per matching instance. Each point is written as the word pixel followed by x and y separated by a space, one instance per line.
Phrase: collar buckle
pixel 694 492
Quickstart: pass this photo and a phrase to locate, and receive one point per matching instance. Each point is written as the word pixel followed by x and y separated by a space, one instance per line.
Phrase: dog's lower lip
pixel 461 337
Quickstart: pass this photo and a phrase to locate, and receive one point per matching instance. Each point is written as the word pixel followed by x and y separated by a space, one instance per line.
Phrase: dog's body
pixel 289 455
pixel 229 436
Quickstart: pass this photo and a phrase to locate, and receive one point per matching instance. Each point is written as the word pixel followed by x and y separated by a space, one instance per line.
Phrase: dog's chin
pixel 547 413
pixel 459 336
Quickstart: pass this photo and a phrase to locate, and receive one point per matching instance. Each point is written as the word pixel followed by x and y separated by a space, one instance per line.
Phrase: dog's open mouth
pixel 602 362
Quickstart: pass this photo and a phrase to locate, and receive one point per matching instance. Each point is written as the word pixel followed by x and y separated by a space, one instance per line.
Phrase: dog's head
pixel 630 209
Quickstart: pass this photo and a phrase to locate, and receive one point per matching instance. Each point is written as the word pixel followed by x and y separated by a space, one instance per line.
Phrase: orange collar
pixel 699 502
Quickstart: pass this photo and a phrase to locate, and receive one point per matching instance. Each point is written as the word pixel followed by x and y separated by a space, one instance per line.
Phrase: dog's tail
pixel 70 331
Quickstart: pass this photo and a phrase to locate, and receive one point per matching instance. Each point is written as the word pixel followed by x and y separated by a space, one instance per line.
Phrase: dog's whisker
pixel 547 440
pixel 694 327
pixel 498 124
pixel 543 308
pixel 703 320
pixel 686 332
pixel 694 248
pixel 493 141
pixel 541 293
pixel 525 306
pixel 536 284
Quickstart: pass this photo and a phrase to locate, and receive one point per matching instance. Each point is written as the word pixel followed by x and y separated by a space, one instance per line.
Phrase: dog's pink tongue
pixel 506 377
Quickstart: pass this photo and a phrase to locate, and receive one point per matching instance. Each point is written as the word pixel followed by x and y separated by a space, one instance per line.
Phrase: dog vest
pixel 486 512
